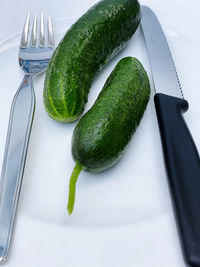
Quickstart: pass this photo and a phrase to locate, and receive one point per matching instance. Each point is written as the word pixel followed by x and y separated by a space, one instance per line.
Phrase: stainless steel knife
pixel 180 153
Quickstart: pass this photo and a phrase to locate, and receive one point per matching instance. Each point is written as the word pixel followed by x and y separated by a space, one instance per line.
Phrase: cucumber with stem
pixel 102 134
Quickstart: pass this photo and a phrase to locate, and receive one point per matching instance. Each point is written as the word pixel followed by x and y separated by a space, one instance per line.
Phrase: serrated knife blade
pixel 180 153
pixel 162 64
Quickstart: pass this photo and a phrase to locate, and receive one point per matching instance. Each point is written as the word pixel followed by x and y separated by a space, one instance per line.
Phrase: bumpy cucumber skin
pixel 102 134
pixel 87 46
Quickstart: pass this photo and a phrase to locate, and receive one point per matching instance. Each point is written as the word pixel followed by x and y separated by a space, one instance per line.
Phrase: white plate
pixel 122 216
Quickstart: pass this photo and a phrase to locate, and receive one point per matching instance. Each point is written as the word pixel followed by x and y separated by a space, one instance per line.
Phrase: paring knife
pixel 180 153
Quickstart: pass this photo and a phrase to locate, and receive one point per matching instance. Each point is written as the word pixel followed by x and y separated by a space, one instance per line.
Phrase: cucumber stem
pixel 72 187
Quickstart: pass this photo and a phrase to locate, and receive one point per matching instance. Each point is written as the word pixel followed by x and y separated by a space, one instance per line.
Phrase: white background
pixel 152 244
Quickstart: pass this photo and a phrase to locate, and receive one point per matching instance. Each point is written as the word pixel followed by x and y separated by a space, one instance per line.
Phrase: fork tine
pixel 50 33
pixel 42 38
pixel 24 39
pixel 34 31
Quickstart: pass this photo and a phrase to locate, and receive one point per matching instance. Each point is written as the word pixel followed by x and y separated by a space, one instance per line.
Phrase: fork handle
pixel 19 128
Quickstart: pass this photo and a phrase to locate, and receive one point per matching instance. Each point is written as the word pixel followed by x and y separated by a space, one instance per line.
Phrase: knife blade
pixel 180 153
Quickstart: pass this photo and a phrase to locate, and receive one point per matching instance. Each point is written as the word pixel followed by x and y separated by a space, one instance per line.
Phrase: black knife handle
pixel 183 170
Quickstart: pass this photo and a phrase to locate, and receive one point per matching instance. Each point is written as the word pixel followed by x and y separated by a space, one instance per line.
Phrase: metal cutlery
pixel 34 55
pixel 180 153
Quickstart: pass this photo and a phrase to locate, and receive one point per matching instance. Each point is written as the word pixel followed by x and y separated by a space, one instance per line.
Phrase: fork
pixel 34 56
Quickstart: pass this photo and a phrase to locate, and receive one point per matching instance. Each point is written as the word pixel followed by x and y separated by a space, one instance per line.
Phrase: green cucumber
pixel 103 133
pixel 86 47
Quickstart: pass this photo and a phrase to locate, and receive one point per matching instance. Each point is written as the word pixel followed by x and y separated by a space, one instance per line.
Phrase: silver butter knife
pixel 180 153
